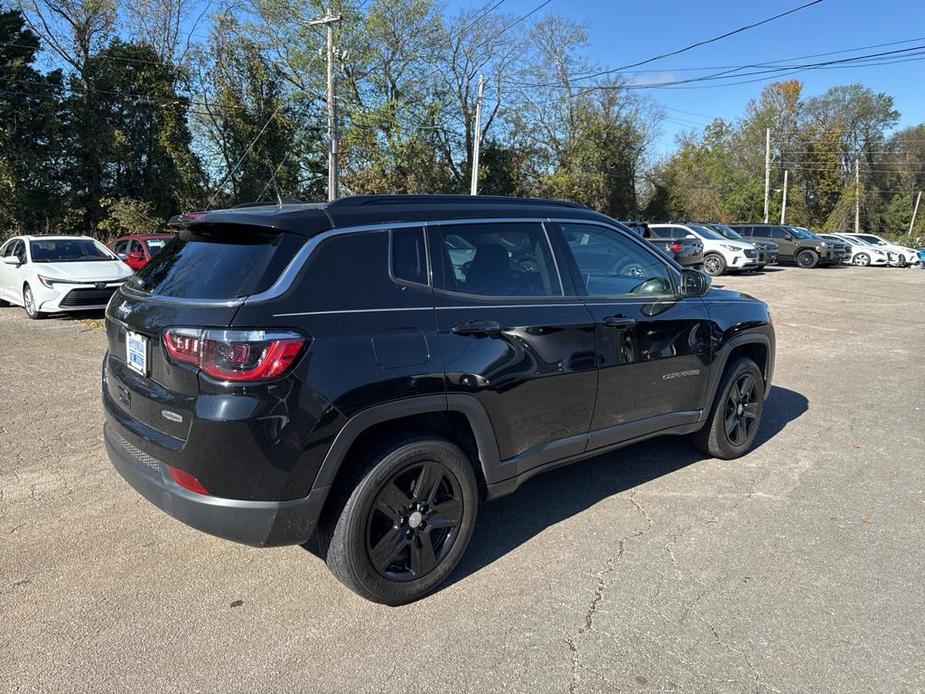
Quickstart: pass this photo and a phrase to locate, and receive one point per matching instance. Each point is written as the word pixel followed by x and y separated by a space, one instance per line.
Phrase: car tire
pixel 862 260
pixel 807 258
pixel 714 264
pixel 412 511
pixel 28 302
pixel 735 415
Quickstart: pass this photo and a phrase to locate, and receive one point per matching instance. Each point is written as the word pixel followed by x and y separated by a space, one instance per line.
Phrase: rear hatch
pixel 198 280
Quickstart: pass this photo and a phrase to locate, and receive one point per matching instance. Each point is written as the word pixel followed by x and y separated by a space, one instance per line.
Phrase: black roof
pixel 312 218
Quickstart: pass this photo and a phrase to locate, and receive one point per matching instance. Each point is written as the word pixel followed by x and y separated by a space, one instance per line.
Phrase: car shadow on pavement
pixel 548 499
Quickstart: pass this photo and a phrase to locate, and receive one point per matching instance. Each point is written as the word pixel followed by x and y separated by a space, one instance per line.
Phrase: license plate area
pixel 136 352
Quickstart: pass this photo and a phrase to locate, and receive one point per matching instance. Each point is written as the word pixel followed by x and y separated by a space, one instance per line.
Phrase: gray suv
pixel 795 245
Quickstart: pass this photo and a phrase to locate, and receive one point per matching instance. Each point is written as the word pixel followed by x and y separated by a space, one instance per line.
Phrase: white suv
pixel 905 256
pixel 48 274
pixel 719 253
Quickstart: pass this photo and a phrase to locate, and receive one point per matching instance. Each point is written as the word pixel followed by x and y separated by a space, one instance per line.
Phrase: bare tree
pixel 73 29
pixel 158 23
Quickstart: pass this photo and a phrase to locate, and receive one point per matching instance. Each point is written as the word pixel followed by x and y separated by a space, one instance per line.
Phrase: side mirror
pixel 788 237
pixel 12 260
pixel 136 255
pixel 121 256
pixel 694 282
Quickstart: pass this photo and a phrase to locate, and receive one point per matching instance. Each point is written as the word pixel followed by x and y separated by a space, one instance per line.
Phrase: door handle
pixel 618 322
pixel 477 327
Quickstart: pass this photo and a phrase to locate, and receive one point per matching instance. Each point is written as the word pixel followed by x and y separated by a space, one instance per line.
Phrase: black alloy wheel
pixel 741 403
pixel 414 521
pixel 399 524
pixel 807 259
pixel 732 425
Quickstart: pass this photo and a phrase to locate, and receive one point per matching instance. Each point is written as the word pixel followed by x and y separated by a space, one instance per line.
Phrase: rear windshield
pixel 222 263
pixel 156 245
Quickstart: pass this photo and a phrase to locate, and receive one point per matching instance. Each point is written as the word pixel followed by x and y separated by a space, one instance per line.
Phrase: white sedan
pixel 50 274
pixel 863 253
pixel 905 256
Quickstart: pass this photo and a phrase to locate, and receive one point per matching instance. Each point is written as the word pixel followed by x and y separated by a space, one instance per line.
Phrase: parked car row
pixel 723 248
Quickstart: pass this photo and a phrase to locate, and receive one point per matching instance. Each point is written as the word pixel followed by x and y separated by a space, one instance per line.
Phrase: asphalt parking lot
pixel 797 568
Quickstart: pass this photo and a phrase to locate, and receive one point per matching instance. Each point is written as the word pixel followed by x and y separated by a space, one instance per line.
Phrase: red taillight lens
pixel 183 344
pixel 186 480
pixel 676 247
pixel 235 355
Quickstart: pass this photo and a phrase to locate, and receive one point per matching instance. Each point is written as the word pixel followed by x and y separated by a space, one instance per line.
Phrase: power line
pixel 610 71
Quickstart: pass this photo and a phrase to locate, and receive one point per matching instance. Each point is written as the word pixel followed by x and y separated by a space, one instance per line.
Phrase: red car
pixel 136 250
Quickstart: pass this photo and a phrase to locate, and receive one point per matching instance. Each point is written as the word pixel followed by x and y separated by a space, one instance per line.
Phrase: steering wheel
pixel 653 285
pixel 629 269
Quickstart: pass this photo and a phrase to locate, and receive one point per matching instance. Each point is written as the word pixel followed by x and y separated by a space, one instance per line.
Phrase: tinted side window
pixel 612 265
pixel 409 255
pixel 661 232
pixel 743 231
pixel 498 259
pixel 19 250
pixel 778 233
pixel 120 247
pixel 136 247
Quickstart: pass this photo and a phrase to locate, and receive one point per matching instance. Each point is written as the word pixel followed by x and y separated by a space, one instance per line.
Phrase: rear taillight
pixel 676 247
pixel 235 355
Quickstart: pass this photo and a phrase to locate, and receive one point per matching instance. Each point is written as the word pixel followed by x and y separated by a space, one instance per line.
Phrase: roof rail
pixel 444 199
pixel 268 203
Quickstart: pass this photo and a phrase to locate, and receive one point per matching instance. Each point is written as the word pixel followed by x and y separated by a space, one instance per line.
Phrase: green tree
pixel 31 167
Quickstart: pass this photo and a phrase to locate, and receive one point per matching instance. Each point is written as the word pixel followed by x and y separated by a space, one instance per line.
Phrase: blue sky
pixel 628 31
pixel 622 32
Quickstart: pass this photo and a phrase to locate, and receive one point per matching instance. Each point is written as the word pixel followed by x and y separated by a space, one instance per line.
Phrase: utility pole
pixel 783 208
pixel 328 21
pixel 767 171
pixel 857 196
pixel 915 211
pixel 476 141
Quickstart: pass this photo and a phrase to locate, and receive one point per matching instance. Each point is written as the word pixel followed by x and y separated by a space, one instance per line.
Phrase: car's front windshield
pixel 74 250
pixel 728 232
pixel 800 233
pixel 706 232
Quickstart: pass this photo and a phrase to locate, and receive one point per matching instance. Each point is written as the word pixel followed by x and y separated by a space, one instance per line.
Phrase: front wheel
pixel 28 302
pixel 714 264
pixel 862 260
pixel 807 258
pixel 736 413
pixel 406 523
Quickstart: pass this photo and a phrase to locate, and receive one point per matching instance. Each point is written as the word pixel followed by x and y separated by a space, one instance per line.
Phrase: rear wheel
pixel 862 260
pixel 736 412
pixel 714 264
pixel 405 525
pixel 28 301
pixel 807 258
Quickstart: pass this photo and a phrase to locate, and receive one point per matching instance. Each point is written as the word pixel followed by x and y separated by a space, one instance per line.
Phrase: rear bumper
pixel 257 523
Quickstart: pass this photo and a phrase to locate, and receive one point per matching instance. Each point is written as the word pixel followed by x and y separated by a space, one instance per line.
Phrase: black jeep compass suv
pixel 367 371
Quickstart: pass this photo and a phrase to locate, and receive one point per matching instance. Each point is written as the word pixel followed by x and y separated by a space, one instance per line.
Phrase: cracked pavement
pixel 799 568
